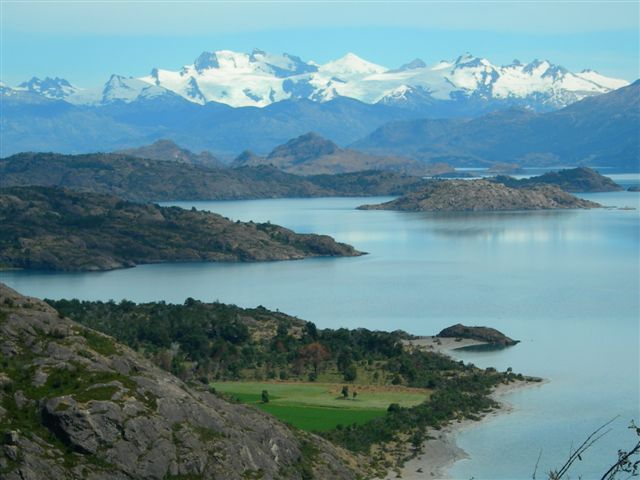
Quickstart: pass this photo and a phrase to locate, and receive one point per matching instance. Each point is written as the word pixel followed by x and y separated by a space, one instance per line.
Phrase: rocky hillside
pixel 482 195
pixel 483 334
pixel 77 405
pixel 144 180
pixel 581 179
pixel 310 154
pixel 168 151
pixel 57 229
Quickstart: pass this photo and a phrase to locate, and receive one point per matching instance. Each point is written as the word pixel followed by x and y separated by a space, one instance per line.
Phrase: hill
pixel 599 131
pixel 482 195
pixel 151 180
pixel 311 154
pixel 55 229
pixel 170 151
pixel 76 404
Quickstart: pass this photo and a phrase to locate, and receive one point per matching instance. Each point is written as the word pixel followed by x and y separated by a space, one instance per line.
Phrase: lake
pixel 565 283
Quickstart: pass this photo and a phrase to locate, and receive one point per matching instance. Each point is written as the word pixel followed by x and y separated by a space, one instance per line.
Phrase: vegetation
pixel 213 342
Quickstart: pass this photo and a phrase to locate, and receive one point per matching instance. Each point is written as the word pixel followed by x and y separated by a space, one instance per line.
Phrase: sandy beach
pixel 442 451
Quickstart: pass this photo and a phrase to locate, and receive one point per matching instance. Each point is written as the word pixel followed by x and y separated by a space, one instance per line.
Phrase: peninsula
pixel 57 229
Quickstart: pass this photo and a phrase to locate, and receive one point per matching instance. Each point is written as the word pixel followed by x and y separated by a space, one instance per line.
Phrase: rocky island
pixel 482 195
pixel 57 229
pixel 486 335
pixel 581 179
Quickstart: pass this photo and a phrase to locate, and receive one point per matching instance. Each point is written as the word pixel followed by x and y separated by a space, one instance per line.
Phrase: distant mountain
pixel 145 180
pixel 311 154
pixel 598 131
pixel 259 78
pixel 168 151
pixel 210 103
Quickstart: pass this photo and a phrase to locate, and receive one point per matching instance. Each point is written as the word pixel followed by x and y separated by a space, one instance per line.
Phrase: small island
pixel 50 228
pixel 581 179
pixel 482 195
pixel 487 335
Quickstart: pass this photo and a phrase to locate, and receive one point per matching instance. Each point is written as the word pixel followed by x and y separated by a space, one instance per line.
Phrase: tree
pixel 345 392
pixel 350 373
pixel 265 396
pixel 355 394
pixel 315 353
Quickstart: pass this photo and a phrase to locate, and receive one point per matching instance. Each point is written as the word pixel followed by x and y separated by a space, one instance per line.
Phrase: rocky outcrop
pixel 77 405
pixel 634 188
pixel 57 229
pixel 581 179
pixel 482 334
pixel 166 150
pixel 482 195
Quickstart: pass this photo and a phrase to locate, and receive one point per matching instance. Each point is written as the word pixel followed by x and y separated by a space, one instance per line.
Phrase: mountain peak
pixel 351 64
pixel 57 88
pixel 305 147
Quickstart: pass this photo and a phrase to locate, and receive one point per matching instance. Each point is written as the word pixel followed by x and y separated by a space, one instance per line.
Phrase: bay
pixel 565 283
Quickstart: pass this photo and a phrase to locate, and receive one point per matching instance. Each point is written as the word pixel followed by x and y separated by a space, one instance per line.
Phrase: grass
pixel 319 407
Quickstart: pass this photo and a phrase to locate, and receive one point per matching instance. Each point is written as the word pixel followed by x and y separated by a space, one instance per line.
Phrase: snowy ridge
pixel 259 79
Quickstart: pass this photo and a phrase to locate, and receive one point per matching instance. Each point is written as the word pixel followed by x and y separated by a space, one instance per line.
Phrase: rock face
pixel 77 405
pixel 581 179
pixel 482 195
pixel 483 334
pixel 57 229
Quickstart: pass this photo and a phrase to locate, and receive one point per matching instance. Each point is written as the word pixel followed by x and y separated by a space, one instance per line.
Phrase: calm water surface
pixel 565 283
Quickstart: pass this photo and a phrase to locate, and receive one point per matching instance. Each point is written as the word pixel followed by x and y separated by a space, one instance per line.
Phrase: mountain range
pixel 465 112
pixel 596 131
pixel 259 78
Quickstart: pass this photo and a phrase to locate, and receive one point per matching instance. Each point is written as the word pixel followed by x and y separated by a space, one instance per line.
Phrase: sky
pixel 87 41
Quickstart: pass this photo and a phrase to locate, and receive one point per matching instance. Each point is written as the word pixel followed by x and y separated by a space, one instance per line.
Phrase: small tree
pixel 350 373
pixel 345 392
pixel 265 396
pixel 355 394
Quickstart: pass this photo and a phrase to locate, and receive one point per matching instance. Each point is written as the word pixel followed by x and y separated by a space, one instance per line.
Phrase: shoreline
pixel 441 451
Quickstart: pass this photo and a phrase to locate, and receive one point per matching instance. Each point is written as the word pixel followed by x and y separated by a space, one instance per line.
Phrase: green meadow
pixel 318 407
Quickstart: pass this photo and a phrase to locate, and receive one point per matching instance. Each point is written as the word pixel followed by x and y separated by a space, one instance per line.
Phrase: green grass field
pixel 317 407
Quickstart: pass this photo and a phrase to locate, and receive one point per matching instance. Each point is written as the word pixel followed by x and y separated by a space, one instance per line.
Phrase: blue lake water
pixel 565 283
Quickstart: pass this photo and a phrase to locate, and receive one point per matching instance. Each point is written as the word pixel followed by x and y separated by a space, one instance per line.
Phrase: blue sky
pixel 86 41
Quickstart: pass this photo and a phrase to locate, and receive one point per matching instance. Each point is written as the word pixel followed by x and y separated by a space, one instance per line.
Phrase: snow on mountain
pixel 259 79
pixel 56 88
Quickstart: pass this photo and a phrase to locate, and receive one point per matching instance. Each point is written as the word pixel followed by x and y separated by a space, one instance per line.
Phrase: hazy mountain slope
pixel 168 151
pixel 78 405
pixel 601 131
pixel 310 154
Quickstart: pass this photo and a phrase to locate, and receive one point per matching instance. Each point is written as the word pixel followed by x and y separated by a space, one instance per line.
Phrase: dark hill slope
pixel 151 180
pixel 51 228
pixel 77 405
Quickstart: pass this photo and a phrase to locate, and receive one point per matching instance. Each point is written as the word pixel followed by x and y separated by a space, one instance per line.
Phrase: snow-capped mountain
pixel 259 79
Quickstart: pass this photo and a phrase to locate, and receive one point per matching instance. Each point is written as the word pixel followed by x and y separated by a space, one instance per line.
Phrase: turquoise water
pixel 565 283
